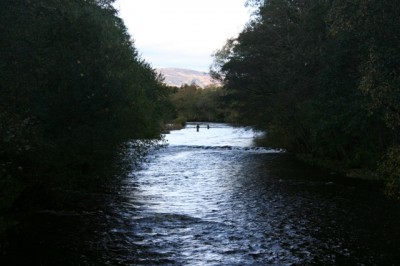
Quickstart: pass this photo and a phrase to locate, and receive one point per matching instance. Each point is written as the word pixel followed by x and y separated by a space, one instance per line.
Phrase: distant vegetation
pixel 73 89
pixel 193 103
pixel 322 77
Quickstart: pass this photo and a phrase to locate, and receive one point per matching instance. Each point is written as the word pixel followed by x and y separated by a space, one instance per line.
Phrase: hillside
pixel 178 76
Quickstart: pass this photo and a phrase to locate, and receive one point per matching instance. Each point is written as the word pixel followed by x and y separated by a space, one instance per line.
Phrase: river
pixel 213 198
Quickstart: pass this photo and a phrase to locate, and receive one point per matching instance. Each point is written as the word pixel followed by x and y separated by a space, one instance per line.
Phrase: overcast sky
pixel 182 33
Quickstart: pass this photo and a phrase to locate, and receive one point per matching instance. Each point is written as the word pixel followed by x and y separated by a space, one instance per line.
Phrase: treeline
pixel 322 77
pixel 193 103
pixel 72 90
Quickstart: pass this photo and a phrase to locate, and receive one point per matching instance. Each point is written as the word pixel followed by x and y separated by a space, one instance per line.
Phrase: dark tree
pixel 73 89
pixel 321 77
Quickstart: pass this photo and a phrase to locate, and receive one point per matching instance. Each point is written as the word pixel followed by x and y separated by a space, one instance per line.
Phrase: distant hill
pixel 178 76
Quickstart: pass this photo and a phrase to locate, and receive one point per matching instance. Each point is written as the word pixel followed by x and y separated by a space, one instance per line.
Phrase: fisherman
pixel 198 127
pixel 208 126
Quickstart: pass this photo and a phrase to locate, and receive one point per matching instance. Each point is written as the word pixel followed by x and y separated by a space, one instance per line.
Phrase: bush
pixel 389 170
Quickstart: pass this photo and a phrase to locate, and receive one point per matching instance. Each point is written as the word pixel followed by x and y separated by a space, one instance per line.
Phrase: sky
pixel 182 33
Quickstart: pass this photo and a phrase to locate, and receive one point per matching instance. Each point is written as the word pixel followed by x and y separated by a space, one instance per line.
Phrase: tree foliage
pixel 318 75
pixel 193 103
pixel 73 88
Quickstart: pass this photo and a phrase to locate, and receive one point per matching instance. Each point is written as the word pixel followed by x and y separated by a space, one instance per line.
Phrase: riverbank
pixel 332 166
pixel 340 168
pixel 167 128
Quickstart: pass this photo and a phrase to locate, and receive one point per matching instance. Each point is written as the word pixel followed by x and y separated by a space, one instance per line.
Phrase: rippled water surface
pixel 213 198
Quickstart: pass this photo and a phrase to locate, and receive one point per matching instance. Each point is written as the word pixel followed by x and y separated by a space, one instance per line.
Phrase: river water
pixel 213 198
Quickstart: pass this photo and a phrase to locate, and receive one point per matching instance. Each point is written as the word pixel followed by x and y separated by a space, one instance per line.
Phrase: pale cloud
pixel 182 33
